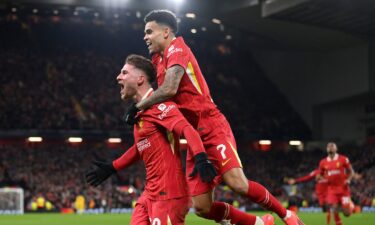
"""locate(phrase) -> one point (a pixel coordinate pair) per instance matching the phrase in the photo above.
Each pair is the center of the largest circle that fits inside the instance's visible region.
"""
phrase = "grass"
(124, 219)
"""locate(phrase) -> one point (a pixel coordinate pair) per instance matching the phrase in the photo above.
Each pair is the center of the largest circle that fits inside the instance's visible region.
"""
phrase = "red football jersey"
(193, 96)
(158, 147)
(335, 170)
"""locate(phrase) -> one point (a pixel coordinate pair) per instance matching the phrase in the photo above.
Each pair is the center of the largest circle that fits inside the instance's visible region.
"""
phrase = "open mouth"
(121, 87)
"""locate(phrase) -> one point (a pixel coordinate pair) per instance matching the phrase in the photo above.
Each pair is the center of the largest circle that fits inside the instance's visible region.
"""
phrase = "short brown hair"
(143, 64)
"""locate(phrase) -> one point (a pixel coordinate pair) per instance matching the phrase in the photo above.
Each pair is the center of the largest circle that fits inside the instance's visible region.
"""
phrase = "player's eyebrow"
(124, 71)
(148, 31)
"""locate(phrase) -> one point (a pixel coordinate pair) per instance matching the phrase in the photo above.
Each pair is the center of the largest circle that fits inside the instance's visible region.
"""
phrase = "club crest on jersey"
(338, 164)
(162, 107)
(140, 123)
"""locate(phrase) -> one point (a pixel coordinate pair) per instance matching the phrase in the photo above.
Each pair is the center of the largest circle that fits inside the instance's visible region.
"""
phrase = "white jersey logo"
(161, 107)
(143, 144)
(166, 111)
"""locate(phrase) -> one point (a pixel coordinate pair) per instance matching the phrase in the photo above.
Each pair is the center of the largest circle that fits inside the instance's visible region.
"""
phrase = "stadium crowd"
(61, 75)
(56, 172)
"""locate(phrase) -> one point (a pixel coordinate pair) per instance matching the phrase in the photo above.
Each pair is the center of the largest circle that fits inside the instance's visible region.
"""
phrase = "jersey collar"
(334, 158)
(148, 93)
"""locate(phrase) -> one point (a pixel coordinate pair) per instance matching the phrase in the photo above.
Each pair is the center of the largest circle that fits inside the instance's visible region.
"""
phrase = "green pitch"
(124, 219)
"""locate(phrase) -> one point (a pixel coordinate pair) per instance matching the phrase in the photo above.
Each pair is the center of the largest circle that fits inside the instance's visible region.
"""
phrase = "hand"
(100, 174)
(130, 115)
(204, 167)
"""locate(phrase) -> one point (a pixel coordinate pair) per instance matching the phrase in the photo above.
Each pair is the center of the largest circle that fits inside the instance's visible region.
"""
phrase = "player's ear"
(141, 79)
(167, 32)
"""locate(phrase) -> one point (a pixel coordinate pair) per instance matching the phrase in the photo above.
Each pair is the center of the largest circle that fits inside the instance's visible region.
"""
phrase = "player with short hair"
(156, 141)
(338, 171)
(321, 186)
(181, 80)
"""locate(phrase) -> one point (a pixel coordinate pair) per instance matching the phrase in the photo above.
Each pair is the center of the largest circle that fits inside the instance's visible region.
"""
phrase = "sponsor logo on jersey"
(166, 111)
(172, 50)
(333, 172)
(143, 144)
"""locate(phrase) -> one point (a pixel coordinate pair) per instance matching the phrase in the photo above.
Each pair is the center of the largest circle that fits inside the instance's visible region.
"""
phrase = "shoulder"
(344, 158)
(177, 46)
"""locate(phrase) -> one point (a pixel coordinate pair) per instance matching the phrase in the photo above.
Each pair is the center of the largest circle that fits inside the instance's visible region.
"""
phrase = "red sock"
(223, 211)
(328, 218)
(259, 194)
(337, 218)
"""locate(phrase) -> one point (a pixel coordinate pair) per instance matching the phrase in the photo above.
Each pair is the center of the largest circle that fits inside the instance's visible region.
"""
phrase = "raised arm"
(166, 90)
(203, 166)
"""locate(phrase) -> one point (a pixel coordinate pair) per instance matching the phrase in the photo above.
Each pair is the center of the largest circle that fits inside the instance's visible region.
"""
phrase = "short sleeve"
(177, 54)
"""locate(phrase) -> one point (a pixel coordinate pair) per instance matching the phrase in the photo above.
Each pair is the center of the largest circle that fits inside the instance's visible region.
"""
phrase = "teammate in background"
(338, 171)
(156, 141)
(320, 189)
(181, 80)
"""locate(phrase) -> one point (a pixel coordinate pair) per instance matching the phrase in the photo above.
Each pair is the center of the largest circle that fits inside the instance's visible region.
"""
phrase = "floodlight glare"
(183, 141)
(295, 142)
(114, 140)
(35, 139)
(265, 142)
(190, 15)
(193, 31)
(75, 140)
(217, 21)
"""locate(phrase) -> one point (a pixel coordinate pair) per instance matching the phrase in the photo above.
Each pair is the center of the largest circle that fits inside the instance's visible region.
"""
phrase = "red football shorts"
(321, 193)
(338, 196)
(152, 212)
(221, 148)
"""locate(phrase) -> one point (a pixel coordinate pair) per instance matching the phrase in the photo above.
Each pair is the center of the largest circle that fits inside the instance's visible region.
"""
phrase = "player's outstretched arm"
(105, 169)
(307, 177)
(101, 173)
(351, 174)
(166, 90)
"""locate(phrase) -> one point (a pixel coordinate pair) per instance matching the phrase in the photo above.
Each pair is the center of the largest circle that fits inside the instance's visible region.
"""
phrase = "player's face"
(128, 80)
(155, 37)
(331, 148)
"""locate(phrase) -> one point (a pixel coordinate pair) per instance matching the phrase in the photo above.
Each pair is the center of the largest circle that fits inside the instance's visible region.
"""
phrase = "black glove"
(204, 167)
(100, 174)
(130, 114)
